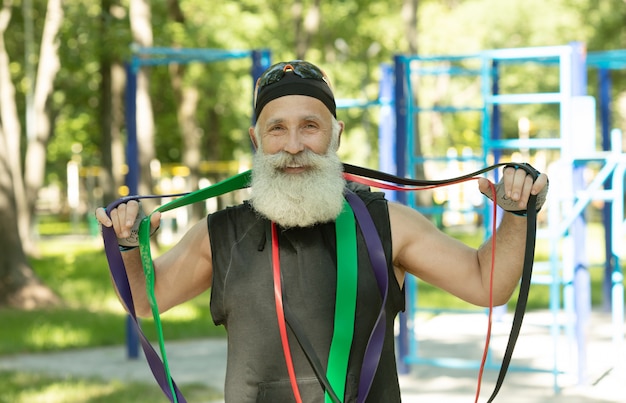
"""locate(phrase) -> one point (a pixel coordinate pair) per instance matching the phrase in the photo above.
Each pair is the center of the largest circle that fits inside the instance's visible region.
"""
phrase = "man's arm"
(419, 248)
(181, 273)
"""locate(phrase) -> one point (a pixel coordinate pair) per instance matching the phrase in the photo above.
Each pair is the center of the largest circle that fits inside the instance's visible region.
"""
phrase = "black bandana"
(292, 84)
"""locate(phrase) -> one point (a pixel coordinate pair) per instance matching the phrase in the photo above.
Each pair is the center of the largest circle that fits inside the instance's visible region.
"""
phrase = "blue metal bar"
(584, 198)
(582, 278)
(446, 70)
(401, 101)
(461, 157)
(356, 103)
(528, 54)
(261, 60)
(448, 109)
(386, 135)
(401, 114)
(446, 58)
(512, 144)
(132, 177)
(537, 98)
(496, 113)
(604, 96)
(610, 59)
(619, 177)
(192, 52)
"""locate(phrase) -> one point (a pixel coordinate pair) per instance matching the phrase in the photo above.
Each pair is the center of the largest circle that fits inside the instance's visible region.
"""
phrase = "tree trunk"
(111, 115)
(140, 25)
(187, 97)
(306, 25)
(12, 128)
(49, 65)
(19, 286)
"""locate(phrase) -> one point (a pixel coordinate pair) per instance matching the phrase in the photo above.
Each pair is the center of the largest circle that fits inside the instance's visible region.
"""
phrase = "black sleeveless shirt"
(242, 299)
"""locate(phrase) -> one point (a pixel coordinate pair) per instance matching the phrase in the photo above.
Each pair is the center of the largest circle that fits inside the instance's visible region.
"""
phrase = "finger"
(539, 184)
(508, 177)
(155, 221)
(132, 208)
(518, 183)
(119, 215)
(484, 186)
(102, 217)
(525, 192)
(115, 220)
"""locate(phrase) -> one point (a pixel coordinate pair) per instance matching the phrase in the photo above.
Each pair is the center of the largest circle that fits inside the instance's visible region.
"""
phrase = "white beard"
(298, 200)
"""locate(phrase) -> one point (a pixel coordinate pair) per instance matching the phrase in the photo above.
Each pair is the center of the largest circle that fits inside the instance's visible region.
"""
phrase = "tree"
(111, 117)
(187, 97)
(19, 285)
(141, 27)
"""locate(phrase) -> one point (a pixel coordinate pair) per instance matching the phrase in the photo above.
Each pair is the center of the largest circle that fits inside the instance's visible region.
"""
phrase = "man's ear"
(253, 138)
(342, 125)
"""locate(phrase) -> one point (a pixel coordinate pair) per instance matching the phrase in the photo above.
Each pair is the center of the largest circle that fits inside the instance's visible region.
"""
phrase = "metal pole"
(604, 78)
(132, 177)
(582, 279)
(386, 139)
(401, 106)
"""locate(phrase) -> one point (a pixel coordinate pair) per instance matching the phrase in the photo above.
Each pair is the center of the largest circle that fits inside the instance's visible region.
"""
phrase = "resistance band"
(160, 369)
(377, 336)
(345, 307)
(527, 268)
(345, 304)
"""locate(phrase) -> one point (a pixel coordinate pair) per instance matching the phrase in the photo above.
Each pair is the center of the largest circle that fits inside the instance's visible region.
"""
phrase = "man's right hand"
(125, 220)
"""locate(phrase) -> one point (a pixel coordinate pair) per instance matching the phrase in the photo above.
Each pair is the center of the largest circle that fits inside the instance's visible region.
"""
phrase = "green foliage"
(19, 387)
(353, 39)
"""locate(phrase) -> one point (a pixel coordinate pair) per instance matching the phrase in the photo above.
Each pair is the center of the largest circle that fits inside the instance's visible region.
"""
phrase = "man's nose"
(294, 144)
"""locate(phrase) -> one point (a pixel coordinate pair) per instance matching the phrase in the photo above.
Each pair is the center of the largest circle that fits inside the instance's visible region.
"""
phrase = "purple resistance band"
(379, 264)
(118, 272)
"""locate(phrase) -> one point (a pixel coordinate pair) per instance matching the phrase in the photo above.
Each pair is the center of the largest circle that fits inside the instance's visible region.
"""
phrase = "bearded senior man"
(286, 238)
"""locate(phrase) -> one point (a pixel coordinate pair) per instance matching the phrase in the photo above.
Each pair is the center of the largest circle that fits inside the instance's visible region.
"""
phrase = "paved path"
(459, 336)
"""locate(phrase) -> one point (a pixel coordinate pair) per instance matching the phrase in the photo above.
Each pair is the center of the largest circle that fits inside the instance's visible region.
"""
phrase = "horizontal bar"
(355, 103)
(524, 143)
(449, 109)
(536, 98)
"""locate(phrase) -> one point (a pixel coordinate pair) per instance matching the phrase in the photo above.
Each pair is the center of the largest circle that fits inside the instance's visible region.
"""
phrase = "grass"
(20, 387)
(91, 314)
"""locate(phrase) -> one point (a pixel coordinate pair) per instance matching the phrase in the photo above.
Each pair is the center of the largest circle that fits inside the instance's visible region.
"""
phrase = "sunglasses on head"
(301, 68)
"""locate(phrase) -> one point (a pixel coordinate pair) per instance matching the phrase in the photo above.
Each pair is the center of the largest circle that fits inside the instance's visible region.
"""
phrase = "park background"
(62, 81)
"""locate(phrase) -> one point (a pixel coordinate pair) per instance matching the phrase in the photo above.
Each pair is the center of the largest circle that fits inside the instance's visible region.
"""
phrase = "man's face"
(297, 176)
(293, 124)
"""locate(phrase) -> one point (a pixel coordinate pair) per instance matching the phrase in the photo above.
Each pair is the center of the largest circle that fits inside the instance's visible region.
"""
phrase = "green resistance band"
(236, 182)
(346, 279)
(345, 305)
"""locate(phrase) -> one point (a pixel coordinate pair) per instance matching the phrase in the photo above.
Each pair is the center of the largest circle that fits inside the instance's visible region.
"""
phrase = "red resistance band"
(386, 186)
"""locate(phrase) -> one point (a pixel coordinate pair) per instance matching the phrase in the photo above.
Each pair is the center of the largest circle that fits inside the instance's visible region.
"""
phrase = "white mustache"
(306, 158)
